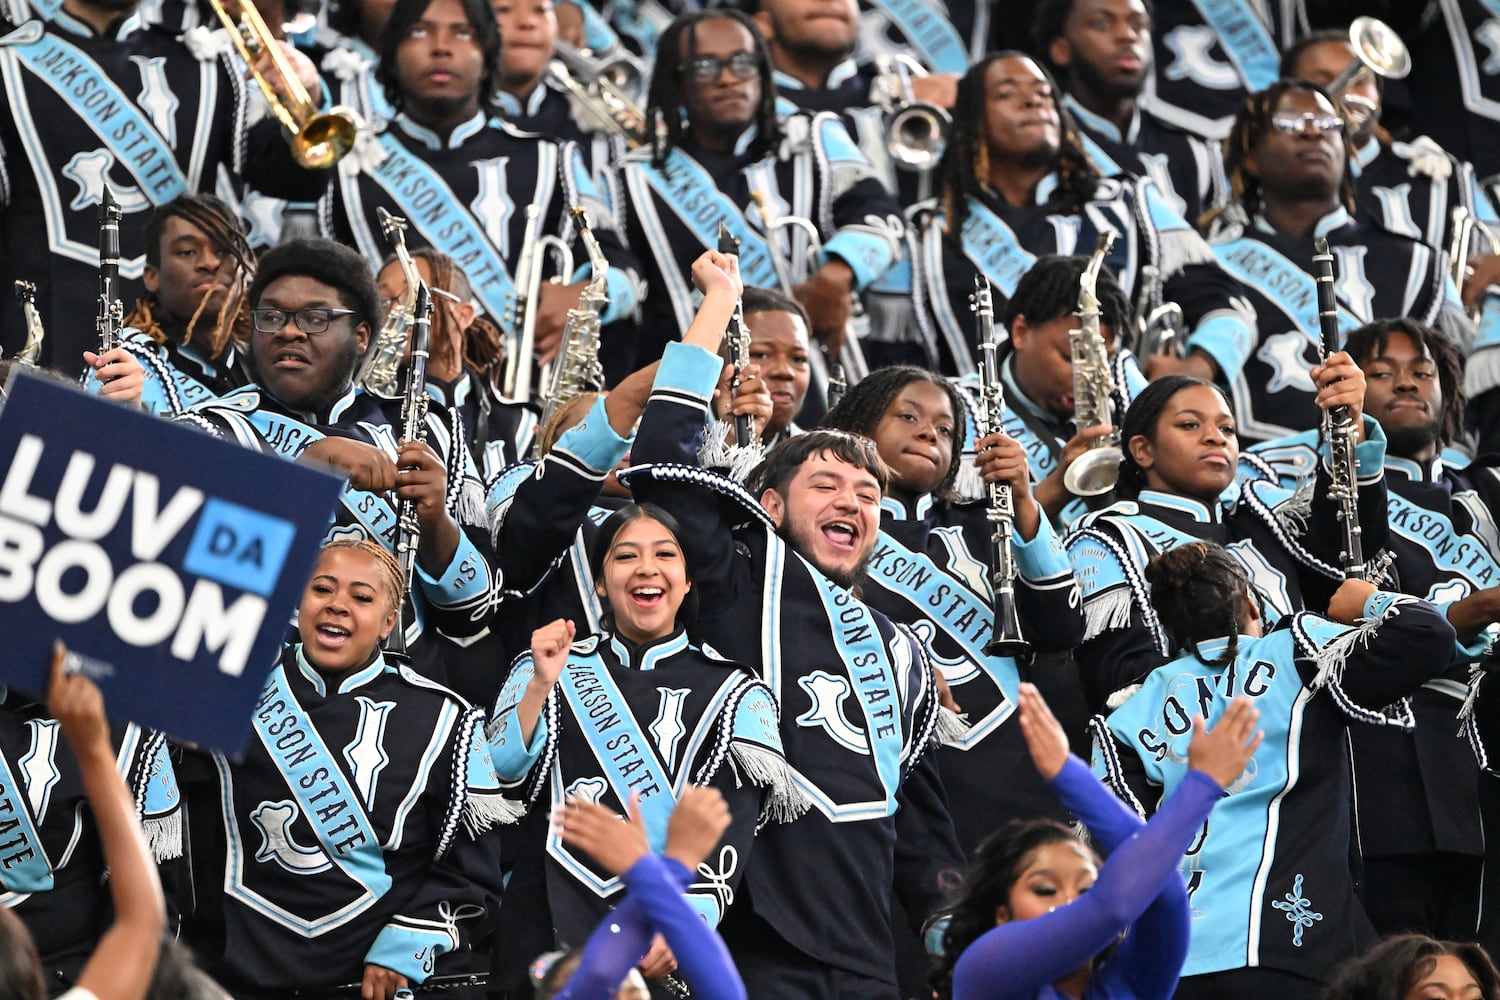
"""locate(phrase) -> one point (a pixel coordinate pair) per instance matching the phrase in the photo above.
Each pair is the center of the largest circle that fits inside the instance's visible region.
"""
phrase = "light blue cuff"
(867, 255)
(593, 441)
(409, 951)
(511, 755)
(622, 300)
(465, 579)
(688, 369)
(1378, 603)
(1487, 331)
(1369, 454)
(1227, 339)
(1043, 557)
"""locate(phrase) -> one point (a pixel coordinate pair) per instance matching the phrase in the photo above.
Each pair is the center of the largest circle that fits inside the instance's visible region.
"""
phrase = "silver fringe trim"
(470, 505)
(1181, 249)
(1121, 696)
(950, 727)
(1293, 514)
(164, 835)
(769, 770)
(734, 460)
(1332, 658)
(485, 810)
(969, 484)
(1106, 612)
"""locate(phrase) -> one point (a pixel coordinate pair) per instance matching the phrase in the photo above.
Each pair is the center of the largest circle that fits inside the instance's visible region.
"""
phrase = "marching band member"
(313, 304)
(348, 845)
(1416, 793)
(1269, 877)
(1288, 164)
(932, 570)
(1100, 52)
(779, 349)
(857, 695)
(465, 182)
(353, 43)
(1452, 70)
(1177, 484)
(1016, 183)
(727, 147)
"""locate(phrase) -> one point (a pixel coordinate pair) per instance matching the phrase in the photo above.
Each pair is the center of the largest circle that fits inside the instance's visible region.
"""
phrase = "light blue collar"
(512, 108)
(349, 682)
(1338, 218)
(1196, 509)
(433, 141)
(1415, 471)
(920, 507)
(66, 22)
(1102, 125)
(648, 656)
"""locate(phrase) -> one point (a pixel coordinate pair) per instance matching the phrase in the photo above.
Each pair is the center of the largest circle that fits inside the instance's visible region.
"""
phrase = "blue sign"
(168, 561)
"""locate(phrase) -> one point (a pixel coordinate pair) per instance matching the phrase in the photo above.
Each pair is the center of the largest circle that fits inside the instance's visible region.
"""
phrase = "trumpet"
(1159, 325)
(1097, 470)
(1467, 231)
(317, 140)
(1378, 51)
(577, 369)
(521, 318)
(916, 133)
(606, 89)
(1005, 638)
(32, 349)
(389, 348)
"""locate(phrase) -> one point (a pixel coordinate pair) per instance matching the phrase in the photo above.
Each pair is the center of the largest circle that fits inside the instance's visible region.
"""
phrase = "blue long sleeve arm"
(654, 904)
(1026, 955)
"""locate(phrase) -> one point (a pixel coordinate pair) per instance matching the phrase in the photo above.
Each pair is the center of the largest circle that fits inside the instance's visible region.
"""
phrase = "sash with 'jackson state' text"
(26, 866)
(1244, 39)
(993, 247)
(696, 200)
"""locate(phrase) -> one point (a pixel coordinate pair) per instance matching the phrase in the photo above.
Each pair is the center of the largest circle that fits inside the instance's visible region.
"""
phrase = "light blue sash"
(929, 31)
(310, 771)
(1244, 39)
(429, 204)
(992, 247)
(1453, 551)
(627, 756)
(695, 199)
(114, 118)
(1283, 282)
(869, 666)
(26, 868)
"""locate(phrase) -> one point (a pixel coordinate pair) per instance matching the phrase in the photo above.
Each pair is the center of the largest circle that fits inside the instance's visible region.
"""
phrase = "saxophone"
(26, 292)
(576, 369)
(1097, 470)
(383, 364)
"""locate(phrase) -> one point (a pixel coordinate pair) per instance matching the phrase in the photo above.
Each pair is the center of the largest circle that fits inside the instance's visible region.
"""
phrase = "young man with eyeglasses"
(475, 188)
(725, 155)
(313, 307)
(1288, 157)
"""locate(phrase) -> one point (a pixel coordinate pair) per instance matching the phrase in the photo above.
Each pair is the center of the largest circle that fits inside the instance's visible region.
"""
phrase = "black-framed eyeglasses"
(706, 69)
(1290, 123)
(310, 320)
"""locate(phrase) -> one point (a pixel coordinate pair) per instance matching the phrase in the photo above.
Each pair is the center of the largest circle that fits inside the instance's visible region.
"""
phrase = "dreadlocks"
(965, 168)
(483, 348)
(1251, 125)
(666, 97)
(1050, 290)
(214, 219)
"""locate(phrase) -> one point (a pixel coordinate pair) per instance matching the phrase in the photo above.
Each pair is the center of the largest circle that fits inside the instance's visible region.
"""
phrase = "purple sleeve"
(1026, 955)
(1109, 820)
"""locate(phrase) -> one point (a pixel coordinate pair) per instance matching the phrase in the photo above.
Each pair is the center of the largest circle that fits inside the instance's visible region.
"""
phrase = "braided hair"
(1251, 126)
(965, 167)
(864, 404)
(484, 349)
(987, 883)
(386, 566)
(1050, 290)
(1140, 421)
(217, 221)
(1198, 590)
(666, 97)
(1369, 341)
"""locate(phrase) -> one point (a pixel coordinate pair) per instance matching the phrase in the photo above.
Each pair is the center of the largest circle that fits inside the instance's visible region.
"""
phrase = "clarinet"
(739, 346)
(1000, 511)
(111, 309)
(1338, 429)
(413, 428)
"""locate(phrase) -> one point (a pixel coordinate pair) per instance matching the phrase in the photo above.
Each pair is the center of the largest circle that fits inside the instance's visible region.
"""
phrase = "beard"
(800, 538)
(1405, 442)
(1089, 78)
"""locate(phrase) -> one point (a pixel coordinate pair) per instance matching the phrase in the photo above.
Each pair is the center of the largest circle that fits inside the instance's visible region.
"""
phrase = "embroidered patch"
(1299, 911)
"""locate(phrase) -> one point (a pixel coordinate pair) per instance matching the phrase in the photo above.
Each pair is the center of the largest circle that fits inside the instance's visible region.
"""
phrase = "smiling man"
(475, 188)
(313, 306)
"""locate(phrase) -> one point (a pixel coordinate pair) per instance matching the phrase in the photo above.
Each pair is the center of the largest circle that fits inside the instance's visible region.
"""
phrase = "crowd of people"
(836, 410)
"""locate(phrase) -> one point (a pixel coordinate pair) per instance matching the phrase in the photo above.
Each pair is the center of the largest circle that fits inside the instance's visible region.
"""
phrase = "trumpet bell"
(1094, 472)
(324, 139)
(1379, 48)
(917, 136)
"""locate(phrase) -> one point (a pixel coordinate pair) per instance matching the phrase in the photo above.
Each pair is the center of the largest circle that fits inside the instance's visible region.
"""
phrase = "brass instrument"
(383, 365)
(739, 345)
(916, 133)
(1097, 470)
(1378, 50)
(317, 140)
(111, 314)
(577, 369)
(1338, 429)
(520, 348)
(1159, 325)
(32, 349)
(609, 88)
(1000, 511)
(1467, 231)
(413, 428)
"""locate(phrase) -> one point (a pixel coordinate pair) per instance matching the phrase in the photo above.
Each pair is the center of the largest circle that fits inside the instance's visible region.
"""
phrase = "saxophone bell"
(382, 364)
(1097, 470)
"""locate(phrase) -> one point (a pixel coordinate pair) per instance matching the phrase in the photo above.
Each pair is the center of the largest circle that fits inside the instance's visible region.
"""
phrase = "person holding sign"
(348, 844)
(121, 964)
